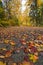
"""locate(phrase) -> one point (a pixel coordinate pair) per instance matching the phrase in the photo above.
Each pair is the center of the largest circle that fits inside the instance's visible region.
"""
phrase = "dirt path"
(20, 43)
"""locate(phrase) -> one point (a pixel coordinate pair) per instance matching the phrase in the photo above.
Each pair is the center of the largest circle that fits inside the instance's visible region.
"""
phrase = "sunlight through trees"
(21, 9)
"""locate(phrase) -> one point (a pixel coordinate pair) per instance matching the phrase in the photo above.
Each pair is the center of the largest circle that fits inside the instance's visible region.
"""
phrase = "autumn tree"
(6, 6)
(15, 10)
(11, 9)
(41, 8)
(33, 12)
(1, 11)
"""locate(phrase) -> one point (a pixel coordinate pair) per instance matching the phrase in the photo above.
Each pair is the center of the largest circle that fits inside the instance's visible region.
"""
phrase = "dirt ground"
(22, 44)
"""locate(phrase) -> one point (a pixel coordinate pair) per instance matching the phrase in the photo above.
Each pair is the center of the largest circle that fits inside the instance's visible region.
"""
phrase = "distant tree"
(1, 11)
(34, 12)
(6, 6)
(41, 11)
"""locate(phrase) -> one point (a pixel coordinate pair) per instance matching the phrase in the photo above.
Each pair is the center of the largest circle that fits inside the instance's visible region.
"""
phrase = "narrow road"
(22, 44)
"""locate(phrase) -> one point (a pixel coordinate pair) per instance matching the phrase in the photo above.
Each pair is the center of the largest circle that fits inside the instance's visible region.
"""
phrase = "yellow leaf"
(6, 41)
(33, 57)
(1, 63)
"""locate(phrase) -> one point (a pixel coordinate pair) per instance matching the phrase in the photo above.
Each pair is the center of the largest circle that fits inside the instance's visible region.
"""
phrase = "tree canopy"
(11, 12)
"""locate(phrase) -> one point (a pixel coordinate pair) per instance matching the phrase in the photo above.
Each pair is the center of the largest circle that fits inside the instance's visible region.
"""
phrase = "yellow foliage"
(1, 63)
(33, 57)
(40, 1)
(6, 41)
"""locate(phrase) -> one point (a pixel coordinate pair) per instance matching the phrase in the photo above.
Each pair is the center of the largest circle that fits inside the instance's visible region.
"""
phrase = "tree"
(11, 10)
(41, 11)
(33, 12)
(1, 11)
(6, 6)
(15, 10)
